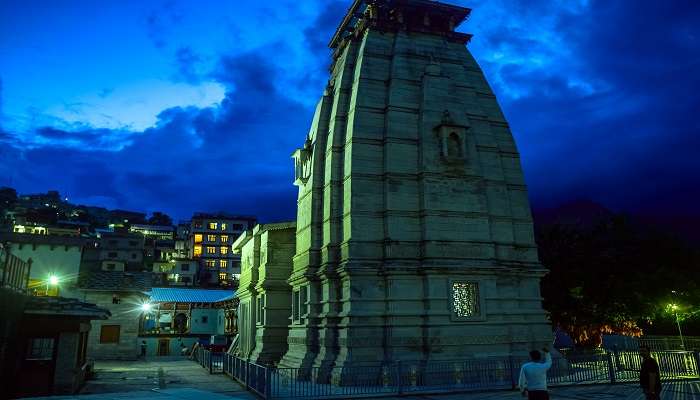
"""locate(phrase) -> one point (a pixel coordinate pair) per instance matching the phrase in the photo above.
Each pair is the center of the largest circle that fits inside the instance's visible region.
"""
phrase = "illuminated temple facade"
(414, 237)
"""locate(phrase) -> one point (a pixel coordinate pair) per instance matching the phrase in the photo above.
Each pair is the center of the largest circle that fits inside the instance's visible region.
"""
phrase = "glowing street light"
(673, 307)
(146, 307)
(52, 281)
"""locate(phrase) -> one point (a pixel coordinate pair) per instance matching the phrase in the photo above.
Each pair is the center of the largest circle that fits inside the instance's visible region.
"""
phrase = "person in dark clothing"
(649, 376)
(143, 348)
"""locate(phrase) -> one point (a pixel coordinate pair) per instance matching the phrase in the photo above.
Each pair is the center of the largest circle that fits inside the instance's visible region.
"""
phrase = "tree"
(159, 218)
(8, 197)
(612, 275)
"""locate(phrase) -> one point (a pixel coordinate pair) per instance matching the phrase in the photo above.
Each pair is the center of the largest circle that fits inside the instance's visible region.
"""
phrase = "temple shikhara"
(414, 238)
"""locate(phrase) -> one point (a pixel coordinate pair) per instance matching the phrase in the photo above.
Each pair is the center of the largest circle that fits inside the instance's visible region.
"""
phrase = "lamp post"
(674, 308)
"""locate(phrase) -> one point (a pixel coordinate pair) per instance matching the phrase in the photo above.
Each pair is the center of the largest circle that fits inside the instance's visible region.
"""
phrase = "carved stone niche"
(302, 164)
(453, 141)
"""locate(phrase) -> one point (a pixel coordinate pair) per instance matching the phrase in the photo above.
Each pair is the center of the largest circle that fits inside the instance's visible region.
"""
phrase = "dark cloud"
(232, 157)
(601, 97)
(609, 116)
(318, 34)
(187, 62)
(0, 103)
(86, 139)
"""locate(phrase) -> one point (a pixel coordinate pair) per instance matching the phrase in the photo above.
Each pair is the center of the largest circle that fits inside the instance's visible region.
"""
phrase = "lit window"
(211, 263)
(198, 238)
(223, 226)
(211, 238)
(197, 250)
(223, 263)
(211, 250)
(222, 276)
(213, 225)
(224, 250)
(465, 299)
(224, 238)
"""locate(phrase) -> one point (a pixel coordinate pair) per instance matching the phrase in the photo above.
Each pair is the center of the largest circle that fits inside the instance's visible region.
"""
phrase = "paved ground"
(186, 380)
(136, 380)
(688, 390)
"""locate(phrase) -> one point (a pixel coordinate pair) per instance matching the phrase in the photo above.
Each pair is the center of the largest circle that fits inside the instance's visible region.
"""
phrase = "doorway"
(38, 367)
(163, 347)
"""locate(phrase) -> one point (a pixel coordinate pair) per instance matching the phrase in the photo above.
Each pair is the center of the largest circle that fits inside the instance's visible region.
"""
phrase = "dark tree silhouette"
(610, 274)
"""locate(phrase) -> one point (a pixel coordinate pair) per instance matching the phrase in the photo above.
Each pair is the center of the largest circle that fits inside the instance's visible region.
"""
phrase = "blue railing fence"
(437, 376)
(214, 362)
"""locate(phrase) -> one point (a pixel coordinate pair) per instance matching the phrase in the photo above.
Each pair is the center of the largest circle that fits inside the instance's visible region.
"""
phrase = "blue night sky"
(186, 106)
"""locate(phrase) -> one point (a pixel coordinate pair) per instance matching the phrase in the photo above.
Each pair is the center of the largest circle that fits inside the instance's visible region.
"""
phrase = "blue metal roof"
(170, 295)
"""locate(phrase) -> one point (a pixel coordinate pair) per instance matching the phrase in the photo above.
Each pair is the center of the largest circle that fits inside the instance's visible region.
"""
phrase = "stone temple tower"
(414, 238)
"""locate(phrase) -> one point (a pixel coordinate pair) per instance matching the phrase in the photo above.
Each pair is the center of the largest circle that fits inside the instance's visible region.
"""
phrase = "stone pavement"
(136, 380)
(186, 380)
(685, 390)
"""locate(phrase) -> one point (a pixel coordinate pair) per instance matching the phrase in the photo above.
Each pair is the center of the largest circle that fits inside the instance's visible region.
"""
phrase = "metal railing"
(214, 362)
(438, 376)
(671, 343)
(254, 377)
(14, 272)
(655, 343)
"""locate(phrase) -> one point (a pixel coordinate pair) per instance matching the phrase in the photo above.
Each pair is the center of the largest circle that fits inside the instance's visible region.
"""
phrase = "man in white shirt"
(533, 376)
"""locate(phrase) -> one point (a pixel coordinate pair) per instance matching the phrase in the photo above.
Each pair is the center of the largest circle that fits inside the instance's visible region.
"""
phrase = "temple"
(414, 237)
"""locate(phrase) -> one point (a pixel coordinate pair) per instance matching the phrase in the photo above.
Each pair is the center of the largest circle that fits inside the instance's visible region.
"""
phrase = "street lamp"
(673, 307)
(146, 307)
(53, 281)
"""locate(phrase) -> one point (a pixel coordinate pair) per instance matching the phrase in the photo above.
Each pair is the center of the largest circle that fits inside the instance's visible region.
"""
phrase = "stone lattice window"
(465, 299)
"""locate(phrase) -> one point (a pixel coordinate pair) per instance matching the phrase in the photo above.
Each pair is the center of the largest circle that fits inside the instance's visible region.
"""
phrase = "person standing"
(649, 376)
(533, 376)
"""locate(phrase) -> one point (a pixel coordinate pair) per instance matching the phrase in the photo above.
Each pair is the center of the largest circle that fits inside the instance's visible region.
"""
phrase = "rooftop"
(64, 306)
(179, 295)
(153, 227)
(116, 280)
(13, 237)
(389, 10)
(222, 215)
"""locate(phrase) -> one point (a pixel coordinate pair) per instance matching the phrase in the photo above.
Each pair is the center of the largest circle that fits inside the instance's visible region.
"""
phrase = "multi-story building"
(156, 232)
(121, 252)
(182, 239)
(211, 237)
(39, 229)
(177, 271)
